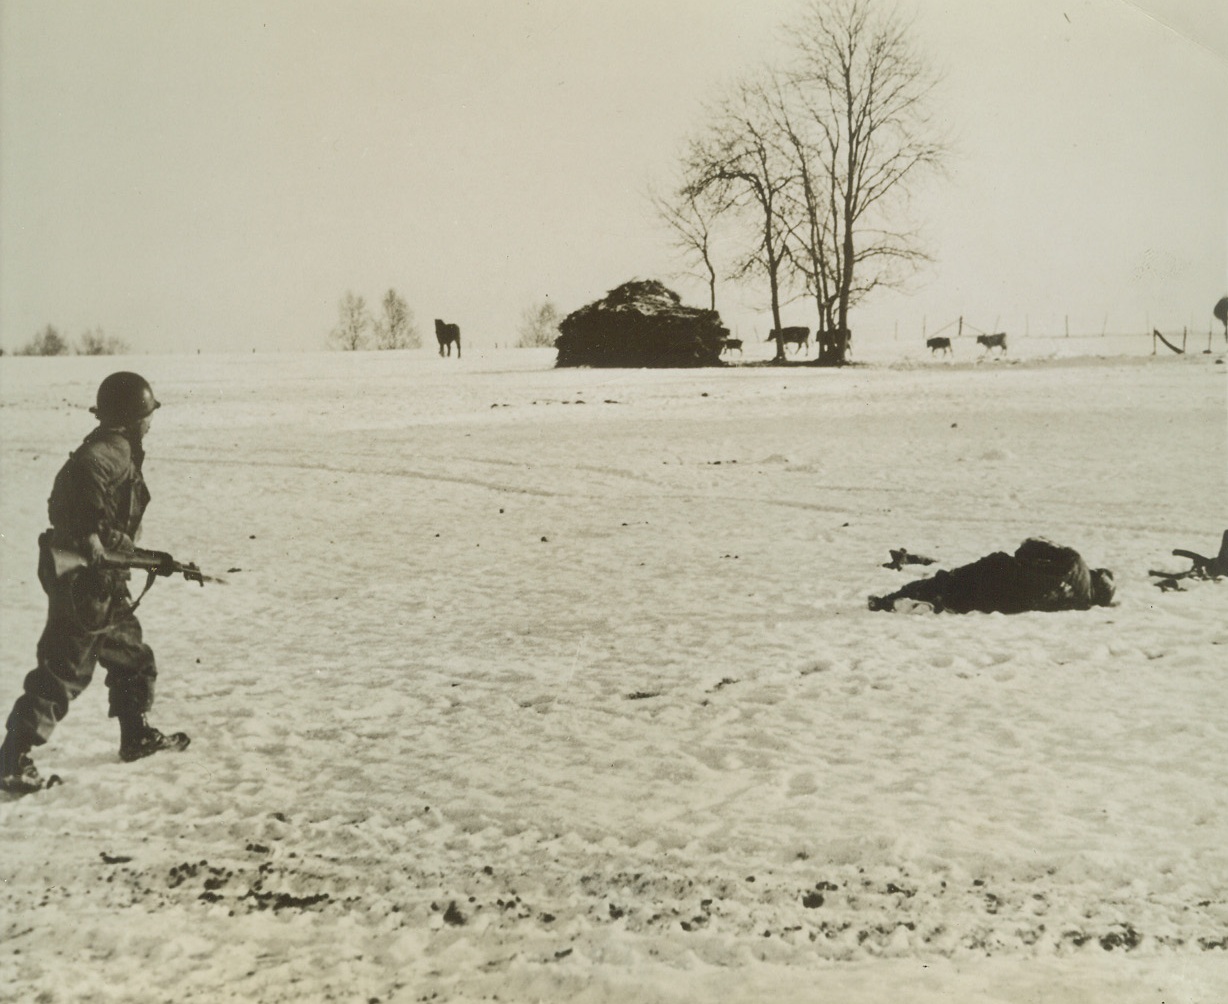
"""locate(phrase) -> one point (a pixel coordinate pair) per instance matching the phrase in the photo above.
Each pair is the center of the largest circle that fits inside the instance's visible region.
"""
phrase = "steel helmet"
(124, 399)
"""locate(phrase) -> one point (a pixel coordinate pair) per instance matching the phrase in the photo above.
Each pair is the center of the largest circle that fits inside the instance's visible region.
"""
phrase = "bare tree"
(809, 205)
(738, 164)
(97, 343)
(539, 326)
(690, 214)
(350, 334)
(861, 90)
(48, 342)
(816, 155)
(395, 329)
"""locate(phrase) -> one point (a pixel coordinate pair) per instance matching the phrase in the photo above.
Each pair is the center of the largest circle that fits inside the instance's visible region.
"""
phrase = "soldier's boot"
(138, 739)
(18, 775)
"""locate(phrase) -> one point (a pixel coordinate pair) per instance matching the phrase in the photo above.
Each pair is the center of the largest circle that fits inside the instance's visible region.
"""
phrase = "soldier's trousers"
(992, 583)
(89, 622)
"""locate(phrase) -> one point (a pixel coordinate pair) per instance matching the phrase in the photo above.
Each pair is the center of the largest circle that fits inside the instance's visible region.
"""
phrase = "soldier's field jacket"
(100, 489)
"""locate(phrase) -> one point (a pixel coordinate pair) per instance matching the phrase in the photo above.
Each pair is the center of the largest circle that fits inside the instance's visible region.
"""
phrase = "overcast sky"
(215, 175)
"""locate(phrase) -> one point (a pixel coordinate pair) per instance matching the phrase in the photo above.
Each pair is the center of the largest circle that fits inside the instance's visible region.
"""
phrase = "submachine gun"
(56, 562)
(154, 562)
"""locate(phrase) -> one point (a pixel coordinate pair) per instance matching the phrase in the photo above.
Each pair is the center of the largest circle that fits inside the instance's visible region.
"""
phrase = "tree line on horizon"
(92, 342)
(358, 329)
(800, 173)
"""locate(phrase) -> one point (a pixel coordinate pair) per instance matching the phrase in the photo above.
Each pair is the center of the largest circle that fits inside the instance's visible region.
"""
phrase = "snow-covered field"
(553, 685)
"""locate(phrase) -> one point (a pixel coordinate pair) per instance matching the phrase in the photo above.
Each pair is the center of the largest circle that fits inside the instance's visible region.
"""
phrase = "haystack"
(641, 323)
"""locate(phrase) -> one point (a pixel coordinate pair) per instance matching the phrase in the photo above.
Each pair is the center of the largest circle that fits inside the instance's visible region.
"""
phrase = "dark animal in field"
(729, 344)
(448, 334)
(934, 344)
(997, 341)
(799, 336)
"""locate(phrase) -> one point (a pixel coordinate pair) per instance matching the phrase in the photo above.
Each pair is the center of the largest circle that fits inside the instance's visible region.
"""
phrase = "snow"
(559, 685)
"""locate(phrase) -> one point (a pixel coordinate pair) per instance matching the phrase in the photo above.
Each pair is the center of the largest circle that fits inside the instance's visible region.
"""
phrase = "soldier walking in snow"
(95, 510)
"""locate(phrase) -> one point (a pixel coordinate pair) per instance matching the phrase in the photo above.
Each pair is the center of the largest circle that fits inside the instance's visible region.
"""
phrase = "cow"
(729, 344)
(934, 344)
(997, 341)
(799, 336)
(447, 334)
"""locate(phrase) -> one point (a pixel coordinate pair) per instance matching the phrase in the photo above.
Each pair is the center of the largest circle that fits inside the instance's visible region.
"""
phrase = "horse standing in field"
(729, 344)
(934, 344)
(799, 336)
(447, 334)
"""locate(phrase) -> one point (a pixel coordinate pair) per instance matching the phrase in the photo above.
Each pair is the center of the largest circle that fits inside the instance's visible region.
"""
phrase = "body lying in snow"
(1040, 575)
